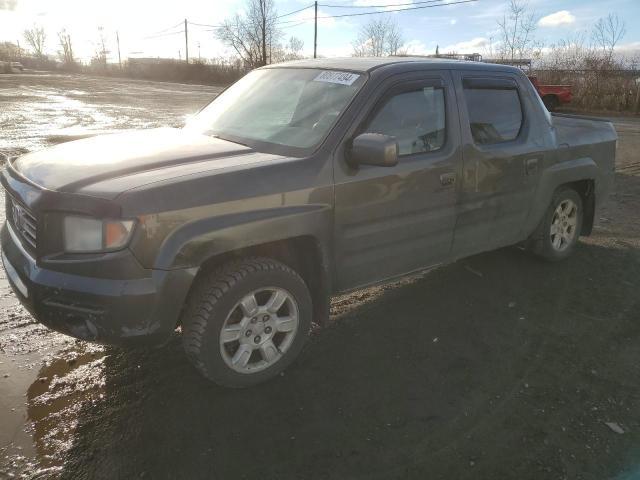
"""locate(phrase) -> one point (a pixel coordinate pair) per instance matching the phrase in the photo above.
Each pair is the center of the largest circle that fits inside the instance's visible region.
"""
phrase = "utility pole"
(315, 31)
(263, 11)
(186, 42)
(119, 58)
(199, 51)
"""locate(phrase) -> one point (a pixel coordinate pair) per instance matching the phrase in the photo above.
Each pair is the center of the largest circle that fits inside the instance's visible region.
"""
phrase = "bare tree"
(291, 50)
(378, 38)
(262, 13)
(35, 37)
(295, 47)
(517, 27)
(100, 56)
(253, 35)
(608, 32)
(235, 33)
(570, 53)
(489, 48)
(67, 49)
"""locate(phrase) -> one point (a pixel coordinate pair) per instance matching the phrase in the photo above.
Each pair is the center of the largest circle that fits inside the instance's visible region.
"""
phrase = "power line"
(396, 10)
(275, 18)
(168, 34)
(295, 11)
(378, 12)
(378, 6)
(165, 29)
(294, 25)
(300, 21)
(204, 25)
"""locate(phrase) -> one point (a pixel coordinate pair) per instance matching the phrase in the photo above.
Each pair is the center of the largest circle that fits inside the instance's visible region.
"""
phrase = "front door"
(393, 220)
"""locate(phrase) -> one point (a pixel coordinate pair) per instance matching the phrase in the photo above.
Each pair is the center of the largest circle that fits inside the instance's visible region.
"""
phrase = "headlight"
(84, 234)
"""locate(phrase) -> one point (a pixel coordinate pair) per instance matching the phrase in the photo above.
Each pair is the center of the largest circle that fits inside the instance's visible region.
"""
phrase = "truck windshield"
(279, 106)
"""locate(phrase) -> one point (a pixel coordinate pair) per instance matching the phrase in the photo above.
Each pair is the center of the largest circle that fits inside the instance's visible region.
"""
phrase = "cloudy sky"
(153, 27)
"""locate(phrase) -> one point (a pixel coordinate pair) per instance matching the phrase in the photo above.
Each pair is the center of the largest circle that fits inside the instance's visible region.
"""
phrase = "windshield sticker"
(343, 78)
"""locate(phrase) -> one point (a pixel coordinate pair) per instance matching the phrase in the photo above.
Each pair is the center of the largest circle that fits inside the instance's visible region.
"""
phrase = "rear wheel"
(558, 232)
(246, 322)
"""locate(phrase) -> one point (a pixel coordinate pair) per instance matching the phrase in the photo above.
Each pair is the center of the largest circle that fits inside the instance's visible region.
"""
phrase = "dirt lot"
(499, 366)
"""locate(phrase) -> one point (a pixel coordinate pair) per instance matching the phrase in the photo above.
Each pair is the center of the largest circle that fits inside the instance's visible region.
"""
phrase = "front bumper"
(124, 311)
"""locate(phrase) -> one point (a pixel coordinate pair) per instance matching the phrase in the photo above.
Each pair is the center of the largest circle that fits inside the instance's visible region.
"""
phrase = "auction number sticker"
(343, 78)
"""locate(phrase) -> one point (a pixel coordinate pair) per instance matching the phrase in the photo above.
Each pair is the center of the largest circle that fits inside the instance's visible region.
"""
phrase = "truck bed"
(576, 131)
(587, 140)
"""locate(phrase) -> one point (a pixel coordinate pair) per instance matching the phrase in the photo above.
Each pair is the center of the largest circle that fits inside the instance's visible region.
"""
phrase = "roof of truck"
(367, 64)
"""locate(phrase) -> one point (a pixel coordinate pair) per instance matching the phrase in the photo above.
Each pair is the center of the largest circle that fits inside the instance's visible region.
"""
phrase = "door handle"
(447, 179)
(531, 166)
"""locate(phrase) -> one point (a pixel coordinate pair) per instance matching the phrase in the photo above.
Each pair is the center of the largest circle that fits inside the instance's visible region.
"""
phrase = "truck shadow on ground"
(498, 366)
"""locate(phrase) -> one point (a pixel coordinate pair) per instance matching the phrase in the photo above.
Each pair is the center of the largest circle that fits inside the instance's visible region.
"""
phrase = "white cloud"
(417, 47)
(345, 50)
(562, 17)
(475, 45)
(453, 21)
(628, 48)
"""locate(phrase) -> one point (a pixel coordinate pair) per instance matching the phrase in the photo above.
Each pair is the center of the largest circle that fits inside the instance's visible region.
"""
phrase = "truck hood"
(71, 166)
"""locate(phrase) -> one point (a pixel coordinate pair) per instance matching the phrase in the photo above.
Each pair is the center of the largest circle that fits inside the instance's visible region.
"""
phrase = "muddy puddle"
(38, 109)
(41, 422)
(45, 377)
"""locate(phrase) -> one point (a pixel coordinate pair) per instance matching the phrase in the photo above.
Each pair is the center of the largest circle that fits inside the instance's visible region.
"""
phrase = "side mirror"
(374, 149)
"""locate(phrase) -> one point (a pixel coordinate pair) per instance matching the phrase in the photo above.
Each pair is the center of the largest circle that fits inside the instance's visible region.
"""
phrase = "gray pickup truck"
(299, 181)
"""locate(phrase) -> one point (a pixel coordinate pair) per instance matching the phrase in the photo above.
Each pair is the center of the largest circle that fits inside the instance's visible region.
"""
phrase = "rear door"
(502, 156)
(392, 220)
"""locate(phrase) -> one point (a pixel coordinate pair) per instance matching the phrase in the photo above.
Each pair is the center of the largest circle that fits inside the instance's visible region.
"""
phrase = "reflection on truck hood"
(71, 166)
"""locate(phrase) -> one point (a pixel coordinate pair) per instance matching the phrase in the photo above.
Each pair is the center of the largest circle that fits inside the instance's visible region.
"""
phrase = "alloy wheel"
(259, 330)
(563, 225)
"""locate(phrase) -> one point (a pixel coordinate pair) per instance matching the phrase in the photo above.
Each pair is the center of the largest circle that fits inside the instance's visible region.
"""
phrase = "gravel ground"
(497, 366)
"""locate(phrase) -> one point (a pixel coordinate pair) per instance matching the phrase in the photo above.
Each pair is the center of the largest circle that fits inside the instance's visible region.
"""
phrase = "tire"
(242, 298)
(551, 102)
(544, 241)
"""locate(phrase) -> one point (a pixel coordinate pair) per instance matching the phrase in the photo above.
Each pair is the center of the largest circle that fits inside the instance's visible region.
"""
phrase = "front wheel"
(246, 322)
(558, 232)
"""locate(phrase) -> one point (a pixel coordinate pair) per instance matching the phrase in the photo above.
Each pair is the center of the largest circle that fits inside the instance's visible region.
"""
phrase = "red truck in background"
(552, 95)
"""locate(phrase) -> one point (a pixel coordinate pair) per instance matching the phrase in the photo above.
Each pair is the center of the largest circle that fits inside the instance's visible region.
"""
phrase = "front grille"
(23, 221)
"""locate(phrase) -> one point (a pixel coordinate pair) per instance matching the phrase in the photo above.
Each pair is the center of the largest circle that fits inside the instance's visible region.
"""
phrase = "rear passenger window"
(415, 118)
(495, 113)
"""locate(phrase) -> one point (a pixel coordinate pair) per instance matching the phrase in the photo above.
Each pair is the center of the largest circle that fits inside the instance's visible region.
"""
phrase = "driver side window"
(415, 118)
